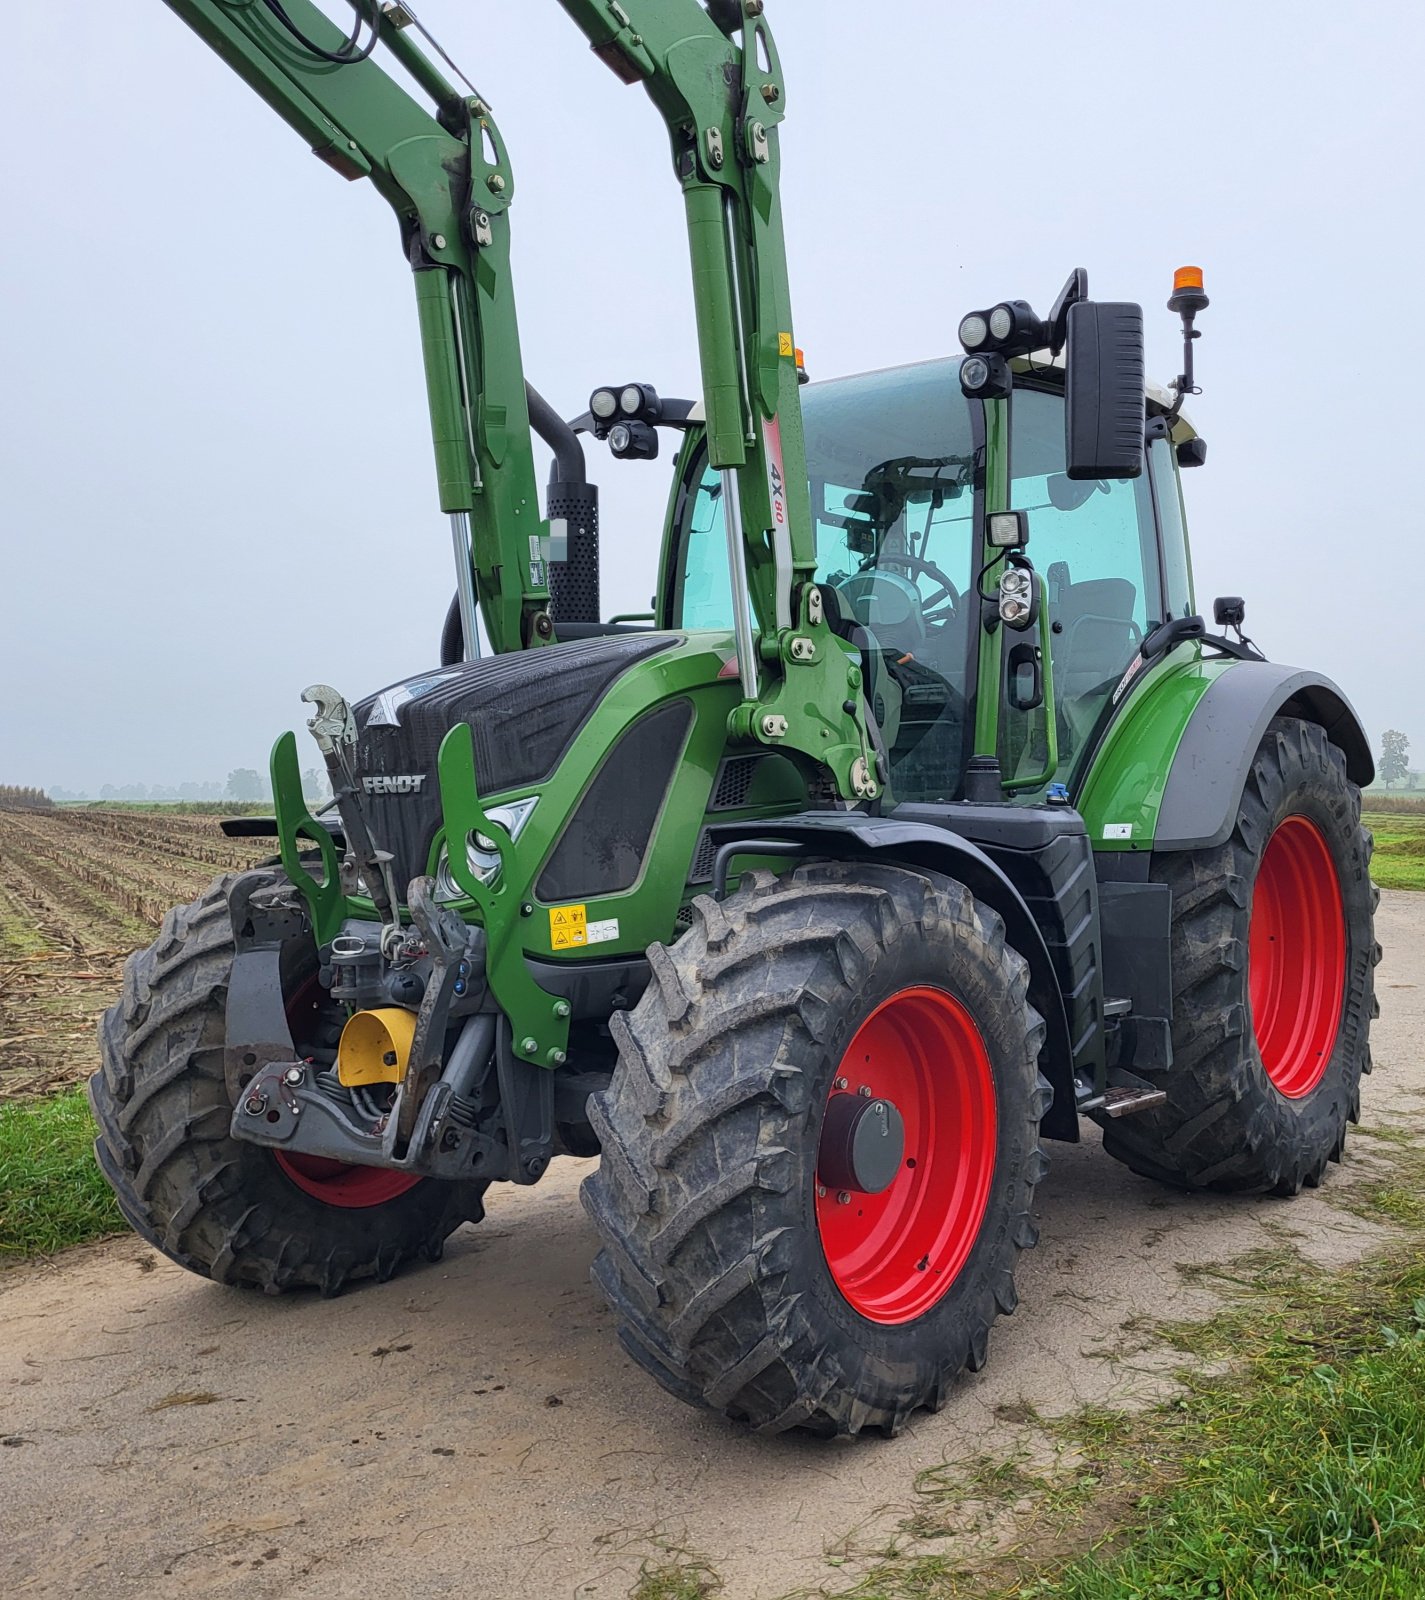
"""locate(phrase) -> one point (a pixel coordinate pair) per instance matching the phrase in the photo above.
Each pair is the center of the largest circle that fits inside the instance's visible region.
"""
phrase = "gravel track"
(474, 1429)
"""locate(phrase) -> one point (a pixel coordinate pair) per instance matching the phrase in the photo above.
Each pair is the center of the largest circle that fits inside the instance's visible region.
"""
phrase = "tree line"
(17, 797)
(243, 784)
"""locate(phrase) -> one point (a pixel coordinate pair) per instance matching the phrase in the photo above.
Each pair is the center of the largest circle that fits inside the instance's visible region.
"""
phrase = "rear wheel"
(232, 1211)
(1273, 975)
(820, 1147)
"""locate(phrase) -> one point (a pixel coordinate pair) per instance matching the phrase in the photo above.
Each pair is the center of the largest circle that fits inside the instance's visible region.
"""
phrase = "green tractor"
(924, 819)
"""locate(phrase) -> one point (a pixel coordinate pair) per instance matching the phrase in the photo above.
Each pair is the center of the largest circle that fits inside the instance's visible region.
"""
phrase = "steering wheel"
(942, 600)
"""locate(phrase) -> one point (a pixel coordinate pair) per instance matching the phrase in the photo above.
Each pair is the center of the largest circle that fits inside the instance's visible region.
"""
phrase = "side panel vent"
(734, 782)
(602, 847)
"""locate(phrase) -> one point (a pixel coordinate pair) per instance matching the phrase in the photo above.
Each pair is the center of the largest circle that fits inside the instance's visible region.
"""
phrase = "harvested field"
(78, 891)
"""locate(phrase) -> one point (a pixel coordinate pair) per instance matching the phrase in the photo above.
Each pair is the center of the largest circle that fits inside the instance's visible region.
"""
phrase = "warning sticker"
(785, 347)
(1118, 830)
(602, 932)
(568, 927)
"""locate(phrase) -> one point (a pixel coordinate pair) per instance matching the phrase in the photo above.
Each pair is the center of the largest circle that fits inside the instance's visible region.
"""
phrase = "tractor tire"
(744, 1276)
(225, 1209)
(1273, 952)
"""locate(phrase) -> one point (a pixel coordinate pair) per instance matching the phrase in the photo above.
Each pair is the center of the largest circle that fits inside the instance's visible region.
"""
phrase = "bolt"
(526, 910)
(864, 1091)
(389, 1059)
(255, 1105)
(754, 8)
(821, 1191)
(528, 1046)
(561, 1008)
(771, 93)
(557, 1058)
(293, 1075)
(839, 1084)
(438, 240)
(844, 1198)
(496, 183)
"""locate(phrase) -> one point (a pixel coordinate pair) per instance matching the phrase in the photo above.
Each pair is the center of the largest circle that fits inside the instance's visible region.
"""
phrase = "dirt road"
(474, 1429)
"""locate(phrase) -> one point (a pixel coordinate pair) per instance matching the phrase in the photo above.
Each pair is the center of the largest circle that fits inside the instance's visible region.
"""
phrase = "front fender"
(841, 834)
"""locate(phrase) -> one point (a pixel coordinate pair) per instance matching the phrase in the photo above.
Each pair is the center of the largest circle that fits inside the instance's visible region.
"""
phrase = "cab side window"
(1096, 546)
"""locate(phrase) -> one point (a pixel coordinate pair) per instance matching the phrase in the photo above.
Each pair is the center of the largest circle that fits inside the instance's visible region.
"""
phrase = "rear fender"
(1209, 771)
(1170, 772)
(846, 834)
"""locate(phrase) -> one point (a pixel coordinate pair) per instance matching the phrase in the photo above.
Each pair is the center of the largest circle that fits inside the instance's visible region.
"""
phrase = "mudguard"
(1214, 755)
(850, 833)
(1172, 765)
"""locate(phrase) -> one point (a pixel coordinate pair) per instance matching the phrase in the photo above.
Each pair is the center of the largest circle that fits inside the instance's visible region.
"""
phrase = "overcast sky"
(215, 473)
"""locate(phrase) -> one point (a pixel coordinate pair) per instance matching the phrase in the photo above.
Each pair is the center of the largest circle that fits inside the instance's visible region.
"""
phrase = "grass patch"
(1399, 860)
(680, 1577)
(51, 1191)
(1293, 1469)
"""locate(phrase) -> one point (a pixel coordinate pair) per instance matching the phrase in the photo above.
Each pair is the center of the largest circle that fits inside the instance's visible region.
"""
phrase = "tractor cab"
(896, 467)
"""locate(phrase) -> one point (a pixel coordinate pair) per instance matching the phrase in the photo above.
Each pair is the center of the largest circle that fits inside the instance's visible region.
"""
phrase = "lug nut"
(844, 1198)
(864, 1091)
(840, 1083)
(821, 1191)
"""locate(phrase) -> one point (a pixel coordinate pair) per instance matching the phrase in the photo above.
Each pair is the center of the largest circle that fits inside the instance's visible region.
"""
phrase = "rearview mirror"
(1103, 385)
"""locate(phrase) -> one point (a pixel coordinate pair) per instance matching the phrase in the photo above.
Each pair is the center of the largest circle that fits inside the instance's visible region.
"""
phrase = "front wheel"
(231, 1211)
(819, 1148)
(1273, 952)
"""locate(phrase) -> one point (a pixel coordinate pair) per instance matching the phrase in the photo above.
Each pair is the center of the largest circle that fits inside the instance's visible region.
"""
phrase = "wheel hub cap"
(862, 1144)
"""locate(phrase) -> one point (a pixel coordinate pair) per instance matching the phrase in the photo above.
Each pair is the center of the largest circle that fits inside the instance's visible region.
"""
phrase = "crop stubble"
(78, 891)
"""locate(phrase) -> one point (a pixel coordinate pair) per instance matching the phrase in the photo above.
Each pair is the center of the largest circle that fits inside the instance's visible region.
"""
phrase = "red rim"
(1297, 957)
(335, 1183)
(340, 1183)
(894, 1254)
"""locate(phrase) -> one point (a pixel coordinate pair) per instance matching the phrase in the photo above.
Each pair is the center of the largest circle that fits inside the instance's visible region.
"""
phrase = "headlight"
(1016, 598)
(482, 854)
(974, 374)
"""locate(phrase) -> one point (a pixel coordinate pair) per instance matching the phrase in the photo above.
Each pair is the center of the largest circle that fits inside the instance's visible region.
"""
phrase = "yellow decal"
(568, 926)
(785, 347)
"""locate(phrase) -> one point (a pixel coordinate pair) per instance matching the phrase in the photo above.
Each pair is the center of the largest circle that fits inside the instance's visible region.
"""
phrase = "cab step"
(1124, 1094)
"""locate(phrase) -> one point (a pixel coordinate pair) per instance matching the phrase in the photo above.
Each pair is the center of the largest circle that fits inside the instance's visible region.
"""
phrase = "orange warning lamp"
(1187, 292)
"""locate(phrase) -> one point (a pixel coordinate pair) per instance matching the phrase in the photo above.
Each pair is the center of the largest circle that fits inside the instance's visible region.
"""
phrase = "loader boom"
(445, 172)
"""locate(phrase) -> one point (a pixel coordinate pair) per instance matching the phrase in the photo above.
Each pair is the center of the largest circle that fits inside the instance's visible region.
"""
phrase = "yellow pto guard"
(376, 1046)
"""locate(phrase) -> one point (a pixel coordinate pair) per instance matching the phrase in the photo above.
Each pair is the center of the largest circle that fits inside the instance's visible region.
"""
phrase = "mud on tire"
(705, 1195)
(219, 1207)
(1226, 1125)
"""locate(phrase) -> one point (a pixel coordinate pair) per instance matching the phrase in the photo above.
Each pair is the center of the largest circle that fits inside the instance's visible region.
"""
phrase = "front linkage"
(486, 1104)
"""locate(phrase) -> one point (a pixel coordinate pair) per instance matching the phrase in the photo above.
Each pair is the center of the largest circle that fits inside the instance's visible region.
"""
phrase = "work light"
(603, 403)
(974, 330)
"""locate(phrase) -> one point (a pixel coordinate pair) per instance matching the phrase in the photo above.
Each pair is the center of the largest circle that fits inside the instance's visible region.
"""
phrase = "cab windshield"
(891, 460)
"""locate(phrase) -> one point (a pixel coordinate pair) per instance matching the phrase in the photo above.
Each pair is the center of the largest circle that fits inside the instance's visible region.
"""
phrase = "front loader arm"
(445, 173)
(715, 77)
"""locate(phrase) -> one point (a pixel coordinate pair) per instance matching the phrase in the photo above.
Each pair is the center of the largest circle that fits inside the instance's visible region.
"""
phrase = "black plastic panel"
(602, 847)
